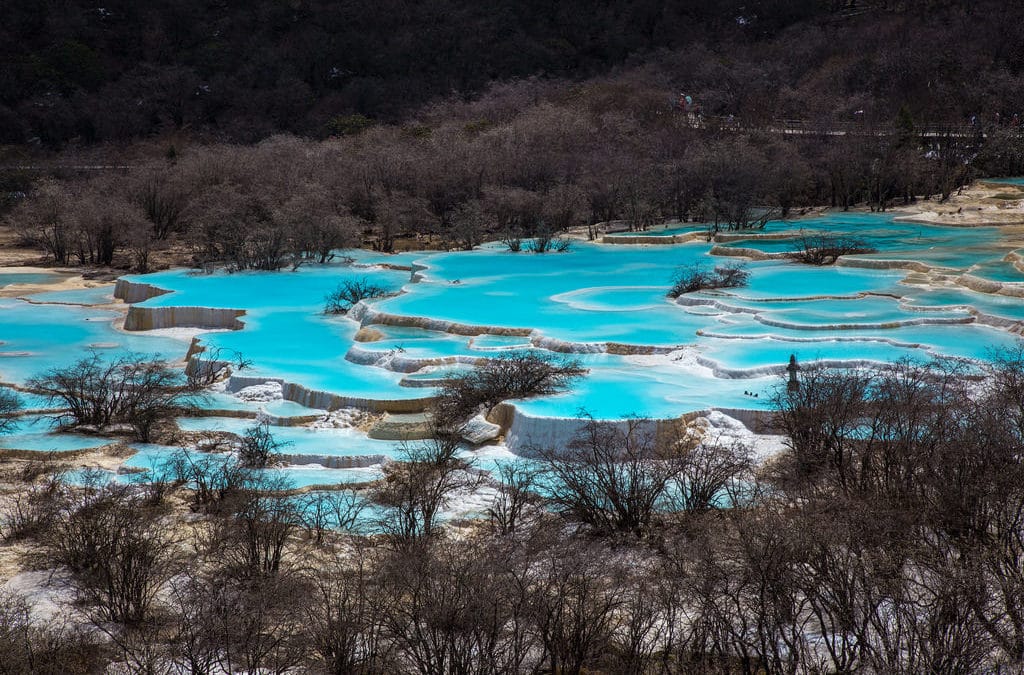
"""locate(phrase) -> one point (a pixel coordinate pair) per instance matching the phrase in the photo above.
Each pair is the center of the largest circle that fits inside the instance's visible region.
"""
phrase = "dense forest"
(523, 161)
(75, 72)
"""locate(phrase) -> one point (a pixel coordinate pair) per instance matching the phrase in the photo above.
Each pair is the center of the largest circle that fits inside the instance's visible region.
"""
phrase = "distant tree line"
(519, 164)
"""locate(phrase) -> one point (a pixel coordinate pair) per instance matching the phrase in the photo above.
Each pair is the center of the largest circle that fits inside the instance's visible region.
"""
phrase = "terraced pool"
(646, 354)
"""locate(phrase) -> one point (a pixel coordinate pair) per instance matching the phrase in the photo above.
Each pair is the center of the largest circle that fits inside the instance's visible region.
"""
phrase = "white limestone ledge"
(324, 400)
(751, 253)
(131, 292)
(883, 264)
(150, 318)
(367, 315)
(334, 461)
(1009, 288)
(529, 435)
(399, 362)
(662, 240)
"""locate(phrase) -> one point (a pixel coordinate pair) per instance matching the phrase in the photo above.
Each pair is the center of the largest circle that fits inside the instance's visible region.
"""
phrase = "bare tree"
(346, 620)
(32, 513)
(259, 448)
(336, 510)
(212, 364)
(254, 539)
(545, 241)
(516, 375)
(710, 475)
(697, 278)
(457, 607)
(131, 389)
(827, 249)
(29, 645)
(121, 551)
(469, 222)
(44, 221)
(517, 493)
(574, 606)
(10, 404)
(614, 476)
(217, 483)
(229, 624)
(419, 485)
(348, 293)
(163, 201)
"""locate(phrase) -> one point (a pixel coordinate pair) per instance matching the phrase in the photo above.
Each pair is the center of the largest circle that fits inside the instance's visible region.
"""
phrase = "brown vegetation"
(698, 278)
(131, 389)
(548, 158)
(826, 249)
(518, 375)
(886, 539)
(348, 293)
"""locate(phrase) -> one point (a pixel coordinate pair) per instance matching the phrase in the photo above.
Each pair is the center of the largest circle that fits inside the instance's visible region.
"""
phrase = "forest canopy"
(242, 71)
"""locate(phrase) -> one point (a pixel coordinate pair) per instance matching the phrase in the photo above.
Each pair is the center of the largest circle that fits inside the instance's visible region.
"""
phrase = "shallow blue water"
(596, 294)
(34, 338)
(36, 433)
(304, 288)
(300, 440)
(998, 271)
(9, 278)
(589, 296)
(101, 295)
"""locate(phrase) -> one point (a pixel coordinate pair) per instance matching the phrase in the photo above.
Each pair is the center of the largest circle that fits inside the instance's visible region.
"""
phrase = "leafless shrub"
(698, 278)
(825, 249)
(709, 477)
(38, 466)
(517, 375)
(516, 494)
(545, 242)
(574, 606)
(120, 551)
(457, 606)
(212, 365)
(253, 539)
(216, 482)
(612, 476)
(513, 239)
(229, 624)
(348, 293)
(334, 510)
(131, 388)
(259, 448)
(346, 617)
(32, 513)
(417, 486)
(29, 646)
(10, 403)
